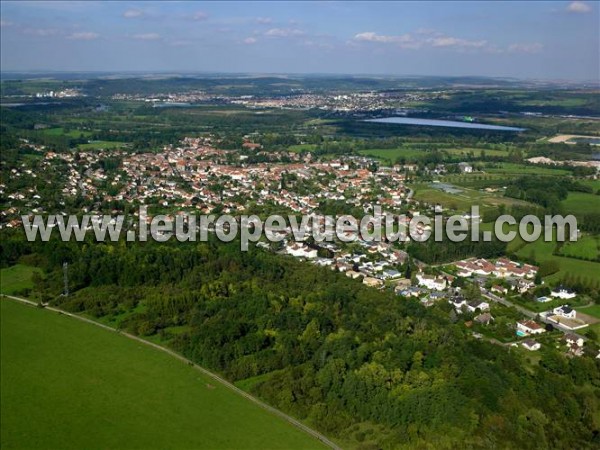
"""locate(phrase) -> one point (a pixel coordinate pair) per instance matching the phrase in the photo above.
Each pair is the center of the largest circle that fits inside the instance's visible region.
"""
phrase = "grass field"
(587, 247)
(593, 310)
(390, 155)
(59, 131)
(581, 203)
(513, 169)
(16, 278)
(70, 385)
(99, 145)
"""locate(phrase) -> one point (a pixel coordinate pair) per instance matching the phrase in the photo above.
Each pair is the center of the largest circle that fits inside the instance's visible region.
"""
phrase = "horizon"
(546, 40)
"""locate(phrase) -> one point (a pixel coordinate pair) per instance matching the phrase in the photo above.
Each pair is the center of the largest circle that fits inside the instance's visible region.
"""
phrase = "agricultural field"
(581, 203)
(17, 278)
(60, 131)
(390, 155)
(586, 247)
(101, 145)
(541, 251)
(463, 200)
(513, 169)
(593, 310)
(70, 385)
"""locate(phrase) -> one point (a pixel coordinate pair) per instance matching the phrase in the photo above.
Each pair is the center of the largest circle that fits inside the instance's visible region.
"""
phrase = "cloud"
(84, 36)
(199, 16)
(370, 36)
(578, 7)
(133, 13)
(525, 48)
(250, 40)
(422, 38)
(284, 32)
(447, 41)
(264, 20)
(146, 36)
(5, 23)
(42, 32)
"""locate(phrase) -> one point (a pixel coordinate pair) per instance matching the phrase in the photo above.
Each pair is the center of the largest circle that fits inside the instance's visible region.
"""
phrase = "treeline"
(433, 252)
(358, 364)
(545, 191)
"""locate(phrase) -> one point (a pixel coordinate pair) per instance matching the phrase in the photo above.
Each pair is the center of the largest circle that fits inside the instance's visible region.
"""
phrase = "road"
(204, 371)
(531, 314)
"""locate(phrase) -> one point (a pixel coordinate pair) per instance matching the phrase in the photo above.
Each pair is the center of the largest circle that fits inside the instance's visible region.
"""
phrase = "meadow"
(66, 384)
(16, 279)
(101, 145)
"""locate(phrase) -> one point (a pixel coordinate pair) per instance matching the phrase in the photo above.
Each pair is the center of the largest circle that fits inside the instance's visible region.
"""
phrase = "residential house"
(531, 345)
(526, 327)
(484, 318)
(563, 293)
(432, 282)
(565, 311)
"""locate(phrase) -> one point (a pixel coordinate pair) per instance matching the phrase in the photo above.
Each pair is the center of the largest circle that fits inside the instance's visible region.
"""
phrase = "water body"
(443, 123)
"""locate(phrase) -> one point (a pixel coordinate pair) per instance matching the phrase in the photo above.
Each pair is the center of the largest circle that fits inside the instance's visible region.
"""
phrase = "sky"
(548, 40)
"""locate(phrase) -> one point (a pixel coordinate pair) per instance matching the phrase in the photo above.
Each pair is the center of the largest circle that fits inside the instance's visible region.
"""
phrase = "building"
(465, 167)
(526, 327)
(565, 311)
(432, 282)
(484, 318)
(531, 345)
(301, 251)
(372, 282)
(563, 293)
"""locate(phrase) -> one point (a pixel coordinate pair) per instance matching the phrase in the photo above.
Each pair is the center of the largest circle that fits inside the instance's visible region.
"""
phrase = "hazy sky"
(519, 39)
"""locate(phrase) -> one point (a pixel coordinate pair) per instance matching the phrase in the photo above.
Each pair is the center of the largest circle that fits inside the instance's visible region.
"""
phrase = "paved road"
(533, 315)
(212, 375)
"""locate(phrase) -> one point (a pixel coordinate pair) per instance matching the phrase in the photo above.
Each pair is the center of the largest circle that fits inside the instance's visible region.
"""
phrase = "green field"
(66, 384)
(513, 169)
(587, 247)
(99, 145)
(593, 310)
(390, 155)
(581, 203)
(16, 278)
(60, 131)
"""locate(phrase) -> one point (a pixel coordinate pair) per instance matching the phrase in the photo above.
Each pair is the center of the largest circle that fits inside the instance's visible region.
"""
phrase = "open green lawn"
(60, 131)
(98, 145)
(587, 247)
(522, 169)
(302, 148)
(390, 155)
(66, 384)
(542, 251)
(593, 310)
(581, 203)
(16, 278)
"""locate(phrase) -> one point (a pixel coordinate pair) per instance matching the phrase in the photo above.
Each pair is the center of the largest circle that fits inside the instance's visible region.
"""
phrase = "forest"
(361, 365)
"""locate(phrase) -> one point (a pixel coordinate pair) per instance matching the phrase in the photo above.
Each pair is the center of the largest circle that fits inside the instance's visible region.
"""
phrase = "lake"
(443, 123)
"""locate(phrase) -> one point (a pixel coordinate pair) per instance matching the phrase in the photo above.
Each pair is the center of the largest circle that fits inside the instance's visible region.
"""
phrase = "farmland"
(67, 384)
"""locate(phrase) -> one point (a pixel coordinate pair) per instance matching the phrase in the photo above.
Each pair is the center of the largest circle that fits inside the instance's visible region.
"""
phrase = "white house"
(563, 292)
(565, 311)
(531, 345)
(301, 251)
(529, 327)
(478, 305)
(572, 339)
(431, 282)
(465, 167)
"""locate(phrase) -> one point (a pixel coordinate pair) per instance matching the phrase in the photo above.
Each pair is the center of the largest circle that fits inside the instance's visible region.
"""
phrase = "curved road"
(212, 375)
